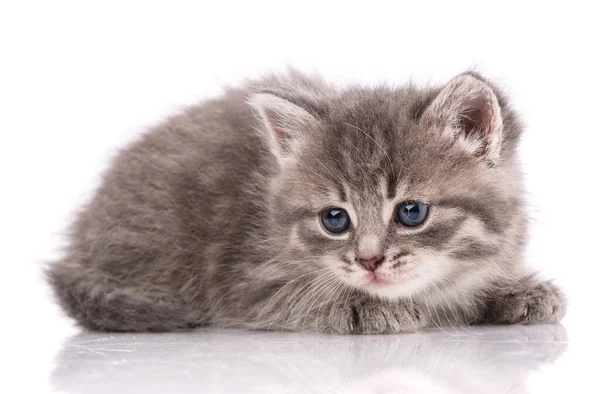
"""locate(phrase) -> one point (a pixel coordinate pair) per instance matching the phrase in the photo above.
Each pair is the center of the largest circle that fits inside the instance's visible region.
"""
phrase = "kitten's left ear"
(469, 111)
(285, 122)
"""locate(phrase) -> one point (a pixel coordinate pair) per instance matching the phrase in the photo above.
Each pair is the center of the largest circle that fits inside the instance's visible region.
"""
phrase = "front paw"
(539, 303)
(378, 317)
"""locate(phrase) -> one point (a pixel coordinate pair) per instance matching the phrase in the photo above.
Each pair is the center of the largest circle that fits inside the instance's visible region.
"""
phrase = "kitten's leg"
(526, 301)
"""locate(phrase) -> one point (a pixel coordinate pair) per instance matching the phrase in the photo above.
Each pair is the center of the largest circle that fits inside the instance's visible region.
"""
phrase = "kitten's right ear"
(285, 122)
(469, 109)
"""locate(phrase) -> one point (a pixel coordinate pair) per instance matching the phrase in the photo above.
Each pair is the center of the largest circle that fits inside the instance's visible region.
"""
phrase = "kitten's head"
(396, 191)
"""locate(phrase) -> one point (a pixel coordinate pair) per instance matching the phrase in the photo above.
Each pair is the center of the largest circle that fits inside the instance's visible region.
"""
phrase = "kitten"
(289, 204)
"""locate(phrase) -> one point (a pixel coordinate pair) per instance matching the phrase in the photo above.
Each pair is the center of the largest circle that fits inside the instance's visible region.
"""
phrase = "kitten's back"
(172, 205)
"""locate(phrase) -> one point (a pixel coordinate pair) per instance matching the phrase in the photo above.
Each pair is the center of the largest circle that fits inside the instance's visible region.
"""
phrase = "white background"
(78, 80)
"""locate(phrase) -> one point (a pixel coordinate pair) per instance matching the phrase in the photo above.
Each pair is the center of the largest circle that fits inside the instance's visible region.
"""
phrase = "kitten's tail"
(98, 304)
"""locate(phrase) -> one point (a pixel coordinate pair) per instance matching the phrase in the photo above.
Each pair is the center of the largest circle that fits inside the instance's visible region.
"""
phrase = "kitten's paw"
(375, 317)
(541, 303)
(378, 317)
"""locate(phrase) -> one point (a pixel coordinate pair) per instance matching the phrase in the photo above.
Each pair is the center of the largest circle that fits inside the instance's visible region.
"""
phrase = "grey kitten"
(289, 204)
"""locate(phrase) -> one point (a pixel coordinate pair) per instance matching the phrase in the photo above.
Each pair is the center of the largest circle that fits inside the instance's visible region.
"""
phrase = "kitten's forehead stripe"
(392, 185)
(342, 192)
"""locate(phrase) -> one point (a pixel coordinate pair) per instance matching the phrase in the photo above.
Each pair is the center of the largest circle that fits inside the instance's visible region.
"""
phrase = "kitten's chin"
(377, 280)
(385, 287)
(393, 289)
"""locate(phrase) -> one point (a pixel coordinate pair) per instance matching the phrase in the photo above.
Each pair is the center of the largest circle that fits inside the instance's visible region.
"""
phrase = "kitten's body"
(212, 218)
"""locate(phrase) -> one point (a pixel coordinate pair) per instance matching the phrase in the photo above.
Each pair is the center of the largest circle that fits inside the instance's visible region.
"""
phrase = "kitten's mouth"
(376, 280)
(379, 279)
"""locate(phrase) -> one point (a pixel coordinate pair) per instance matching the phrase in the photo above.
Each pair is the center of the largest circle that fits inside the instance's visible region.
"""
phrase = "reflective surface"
(496, 359)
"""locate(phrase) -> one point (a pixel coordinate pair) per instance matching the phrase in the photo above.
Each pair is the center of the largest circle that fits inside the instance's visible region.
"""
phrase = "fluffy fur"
(212, 218)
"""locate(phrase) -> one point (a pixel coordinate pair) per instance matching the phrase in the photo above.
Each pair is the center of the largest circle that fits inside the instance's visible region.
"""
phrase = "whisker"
(311, 286)
(283, 287)
(323, 302)
(314, 291)
(456, 318)
(431, 315)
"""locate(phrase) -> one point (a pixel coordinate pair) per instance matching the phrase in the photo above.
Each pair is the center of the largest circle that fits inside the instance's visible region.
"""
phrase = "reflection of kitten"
(291, 205)
(488, 360)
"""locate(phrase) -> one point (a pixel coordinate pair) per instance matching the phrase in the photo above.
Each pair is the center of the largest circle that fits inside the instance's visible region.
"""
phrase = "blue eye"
(411, 213)
(335, 220)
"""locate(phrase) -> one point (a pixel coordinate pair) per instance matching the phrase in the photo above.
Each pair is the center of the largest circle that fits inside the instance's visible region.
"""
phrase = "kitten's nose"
(370, 264)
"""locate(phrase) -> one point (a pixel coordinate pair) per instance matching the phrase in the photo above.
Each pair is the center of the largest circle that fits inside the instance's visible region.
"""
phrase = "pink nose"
(370, 264)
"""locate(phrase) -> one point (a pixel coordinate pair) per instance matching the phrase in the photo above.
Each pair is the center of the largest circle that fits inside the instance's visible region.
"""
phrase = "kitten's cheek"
(402, 271)
(402, 265)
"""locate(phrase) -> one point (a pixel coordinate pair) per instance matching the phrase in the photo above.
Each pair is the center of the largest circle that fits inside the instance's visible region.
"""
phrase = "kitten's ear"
(469, 111)
(286, 122)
